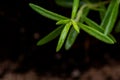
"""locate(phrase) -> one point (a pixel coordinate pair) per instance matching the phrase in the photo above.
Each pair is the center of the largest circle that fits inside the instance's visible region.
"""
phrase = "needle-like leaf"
(63, 36)
(46, 13)
(97, 34)
(74, 8)
(71, 38)
(50, 36)
(110, 16)
(112, 19)
(96, 26)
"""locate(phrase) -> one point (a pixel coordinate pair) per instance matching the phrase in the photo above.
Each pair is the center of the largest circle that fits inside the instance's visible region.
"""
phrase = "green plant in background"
(69, 28)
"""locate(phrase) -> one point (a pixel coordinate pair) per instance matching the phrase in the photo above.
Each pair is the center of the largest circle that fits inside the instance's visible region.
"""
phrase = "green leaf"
(50, 36)
(92, 24)
(71, 38)
(75, 25)
(63, 36)
(110, 17)
(97, 34)
(46, 13)
(73, 33)
(96, 26)
(64, 3)
(107, 14)
(112, 37)
(74, 8)
(62, 22)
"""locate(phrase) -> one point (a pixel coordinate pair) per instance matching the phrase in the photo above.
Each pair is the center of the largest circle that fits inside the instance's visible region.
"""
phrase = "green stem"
(89, 5)
(80, 11)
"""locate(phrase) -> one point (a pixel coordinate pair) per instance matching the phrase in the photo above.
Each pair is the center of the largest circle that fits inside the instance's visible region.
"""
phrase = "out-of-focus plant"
(69, 28)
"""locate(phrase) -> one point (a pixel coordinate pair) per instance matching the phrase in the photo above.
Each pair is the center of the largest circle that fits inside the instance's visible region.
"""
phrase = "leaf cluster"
(69, 28)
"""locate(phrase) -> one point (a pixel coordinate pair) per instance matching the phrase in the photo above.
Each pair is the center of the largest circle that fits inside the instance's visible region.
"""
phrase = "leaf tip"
(67, 47)
(38, 44)
(30, 4)
(57, 49)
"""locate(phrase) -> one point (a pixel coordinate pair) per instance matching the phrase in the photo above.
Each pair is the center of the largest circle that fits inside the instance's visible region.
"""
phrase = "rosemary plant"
(69, 28)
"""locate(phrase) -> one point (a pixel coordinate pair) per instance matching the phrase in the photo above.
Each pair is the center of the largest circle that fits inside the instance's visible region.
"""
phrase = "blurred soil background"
(21, 59)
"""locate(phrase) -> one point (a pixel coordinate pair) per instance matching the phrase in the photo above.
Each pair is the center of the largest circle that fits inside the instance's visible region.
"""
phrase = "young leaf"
(63, 36)
(75, 25)
(50, 36)
(71, 38)
(97, 34)
(62, 22)
(74, 8)
(96, 26)
(119, 1)
(46, 13)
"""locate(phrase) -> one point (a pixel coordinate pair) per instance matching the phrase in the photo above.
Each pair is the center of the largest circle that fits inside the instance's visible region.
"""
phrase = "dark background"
(18, 25)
